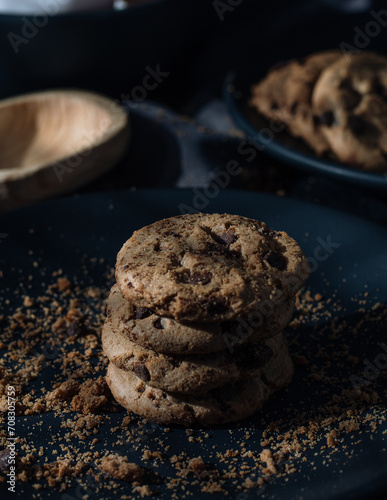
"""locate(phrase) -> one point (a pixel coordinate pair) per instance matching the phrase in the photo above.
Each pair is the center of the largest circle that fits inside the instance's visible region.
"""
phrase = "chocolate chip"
(222, 249)
(4, 456)
(253, 355)
(294, 107)
(220, 244)
(216, 248)
(204, 475)
(276, 260)
(356, 124)
(157, 324)
(228, 238)
(126, 267)
(142, 372)
(75, 329)
(200, 277)
(207, 475)
(268, 233)
(345, 84)
(327, 118)
(382, 91)
(174, 260)
(214, 306)
(142, 312)
(274, 106)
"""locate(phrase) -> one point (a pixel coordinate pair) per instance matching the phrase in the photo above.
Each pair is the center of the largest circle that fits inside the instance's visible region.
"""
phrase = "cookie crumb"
(143, 491)
(63, 284)
(119, 467)
(92, 397)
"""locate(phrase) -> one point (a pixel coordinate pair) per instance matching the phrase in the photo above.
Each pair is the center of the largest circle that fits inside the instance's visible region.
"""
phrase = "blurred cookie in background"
(336, 103)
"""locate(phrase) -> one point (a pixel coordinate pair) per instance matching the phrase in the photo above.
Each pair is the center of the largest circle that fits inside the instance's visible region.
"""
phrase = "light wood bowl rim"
(119, 121)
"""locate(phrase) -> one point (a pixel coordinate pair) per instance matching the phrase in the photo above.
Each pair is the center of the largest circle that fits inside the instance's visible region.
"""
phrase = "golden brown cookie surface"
(225, 404)
(285, 95)
(189, 374)
(165, 335)
(350, 99)
(209, 267)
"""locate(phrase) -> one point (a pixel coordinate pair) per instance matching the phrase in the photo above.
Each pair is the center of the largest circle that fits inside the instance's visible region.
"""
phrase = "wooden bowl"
(55, 141)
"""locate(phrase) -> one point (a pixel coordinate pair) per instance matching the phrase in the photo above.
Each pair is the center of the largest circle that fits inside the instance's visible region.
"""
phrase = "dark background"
(110, 52)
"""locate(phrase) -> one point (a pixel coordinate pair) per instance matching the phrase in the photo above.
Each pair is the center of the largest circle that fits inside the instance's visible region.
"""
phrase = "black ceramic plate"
(282, 145)
(349, 262)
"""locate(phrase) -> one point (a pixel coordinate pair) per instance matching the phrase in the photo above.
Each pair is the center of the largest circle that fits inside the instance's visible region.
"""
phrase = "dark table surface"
(182, 134)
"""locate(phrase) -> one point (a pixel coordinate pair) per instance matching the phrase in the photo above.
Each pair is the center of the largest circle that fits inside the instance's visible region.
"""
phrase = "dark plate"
(282, 145)
(348, 257)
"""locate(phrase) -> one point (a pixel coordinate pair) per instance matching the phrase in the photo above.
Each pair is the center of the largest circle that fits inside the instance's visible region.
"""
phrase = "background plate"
(348, 259)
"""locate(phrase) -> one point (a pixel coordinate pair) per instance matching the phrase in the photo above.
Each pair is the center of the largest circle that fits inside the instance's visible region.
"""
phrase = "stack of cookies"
(194, 324)
(335, 102)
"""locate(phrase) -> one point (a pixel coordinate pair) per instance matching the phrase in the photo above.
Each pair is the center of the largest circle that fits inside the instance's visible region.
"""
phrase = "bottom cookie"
(229, 403)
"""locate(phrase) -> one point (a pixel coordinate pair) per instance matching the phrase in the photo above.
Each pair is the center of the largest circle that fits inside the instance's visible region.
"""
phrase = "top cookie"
(350, 100)
(207, 268)
(285, 95)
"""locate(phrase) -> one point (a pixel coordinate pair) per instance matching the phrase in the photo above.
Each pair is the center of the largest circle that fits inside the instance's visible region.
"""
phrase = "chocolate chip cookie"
(165, 335)
(209, 268)
(228, 403)
(188, 374)
(350, 101)
(285, 95)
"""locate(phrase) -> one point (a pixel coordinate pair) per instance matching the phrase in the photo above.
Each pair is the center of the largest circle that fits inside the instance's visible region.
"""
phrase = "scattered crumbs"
(119, 467)
(93, 443)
